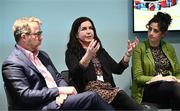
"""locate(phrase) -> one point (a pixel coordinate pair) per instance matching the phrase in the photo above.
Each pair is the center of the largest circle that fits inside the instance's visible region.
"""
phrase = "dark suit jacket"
(25, 83)
(81, 76)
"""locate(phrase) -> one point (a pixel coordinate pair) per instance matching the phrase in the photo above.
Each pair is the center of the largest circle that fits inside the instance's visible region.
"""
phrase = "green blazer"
(143, 66)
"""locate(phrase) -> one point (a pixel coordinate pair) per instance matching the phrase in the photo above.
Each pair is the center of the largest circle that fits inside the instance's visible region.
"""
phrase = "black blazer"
(25, 83)
(81, 76)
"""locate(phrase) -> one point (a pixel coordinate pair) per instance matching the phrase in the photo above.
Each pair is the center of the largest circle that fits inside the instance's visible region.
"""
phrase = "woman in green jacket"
(155, 68)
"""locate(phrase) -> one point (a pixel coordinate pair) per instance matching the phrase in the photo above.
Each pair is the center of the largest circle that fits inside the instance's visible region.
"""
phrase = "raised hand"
(92, 48)
(91, 51)
(132, 45)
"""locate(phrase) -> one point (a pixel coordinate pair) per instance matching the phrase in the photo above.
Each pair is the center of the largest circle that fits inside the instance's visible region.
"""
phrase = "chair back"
(65, 75)
(9, 99)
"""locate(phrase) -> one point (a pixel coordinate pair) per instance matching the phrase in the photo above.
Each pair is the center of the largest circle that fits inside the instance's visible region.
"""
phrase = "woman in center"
(91, 67)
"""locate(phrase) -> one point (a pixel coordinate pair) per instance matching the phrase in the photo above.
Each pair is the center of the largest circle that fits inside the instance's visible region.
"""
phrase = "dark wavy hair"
(73, 43)
(163, 20)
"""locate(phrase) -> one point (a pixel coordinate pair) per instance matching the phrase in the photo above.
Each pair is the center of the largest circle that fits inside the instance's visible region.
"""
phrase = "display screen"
(144, 10)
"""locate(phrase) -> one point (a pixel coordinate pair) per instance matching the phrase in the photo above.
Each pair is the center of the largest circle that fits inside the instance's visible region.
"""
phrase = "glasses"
(36, 34)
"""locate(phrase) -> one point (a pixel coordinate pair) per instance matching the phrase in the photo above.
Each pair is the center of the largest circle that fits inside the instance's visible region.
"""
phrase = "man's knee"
(92, 94)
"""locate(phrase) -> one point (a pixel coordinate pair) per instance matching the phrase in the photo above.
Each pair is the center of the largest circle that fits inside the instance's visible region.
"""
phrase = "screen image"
(144, 10)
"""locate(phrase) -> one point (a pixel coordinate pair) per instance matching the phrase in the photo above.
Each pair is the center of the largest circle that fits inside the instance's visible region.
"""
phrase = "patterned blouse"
(104, 89)
(162, 63)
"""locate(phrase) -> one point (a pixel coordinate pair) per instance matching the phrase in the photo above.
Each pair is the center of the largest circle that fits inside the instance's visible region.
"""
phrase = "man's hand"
(69, 90)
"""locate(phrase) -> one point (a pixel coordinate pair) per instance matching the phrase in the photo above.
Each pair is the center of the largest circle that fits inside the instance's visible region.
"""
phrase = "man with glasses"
(33, 81)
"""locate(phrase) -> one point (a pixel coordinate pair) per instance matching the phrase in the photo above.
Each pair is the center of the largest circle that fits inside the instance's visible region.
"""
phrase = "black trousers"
(124, 102)
(164, 94)
(81, 101)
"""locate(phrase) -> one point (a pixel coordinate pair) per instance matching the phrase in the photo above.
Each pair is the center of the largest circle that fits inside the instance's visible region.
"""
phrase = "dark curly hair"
(163, 20)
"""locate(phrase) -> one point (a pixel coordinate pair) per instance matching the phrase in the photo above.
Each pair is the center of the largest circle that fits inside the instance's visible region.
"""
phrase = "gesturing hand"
(92, 48)
(132, 45)
(91, 51)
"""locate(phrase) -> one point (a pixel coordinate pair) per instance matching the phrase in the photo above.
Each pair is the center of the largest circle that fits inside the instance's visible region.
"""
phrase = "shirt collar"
(28, 53)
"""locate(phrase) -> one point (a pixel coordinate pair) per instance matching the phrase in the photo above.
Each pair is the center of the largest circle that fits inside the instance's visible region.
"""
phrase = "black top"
(81, 75)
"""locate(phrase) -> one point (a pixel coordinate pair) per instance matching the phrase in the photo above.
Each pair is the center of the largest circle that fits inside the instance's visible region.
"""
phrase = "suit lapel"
(24, 58)
(47, 63)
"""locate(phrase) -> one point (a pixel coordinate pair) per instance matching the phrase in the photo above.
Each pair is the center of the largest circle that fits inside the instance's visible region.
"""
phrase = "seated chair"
(65, 75)
(9, 99)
